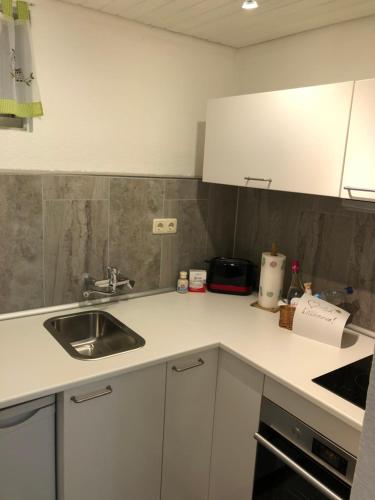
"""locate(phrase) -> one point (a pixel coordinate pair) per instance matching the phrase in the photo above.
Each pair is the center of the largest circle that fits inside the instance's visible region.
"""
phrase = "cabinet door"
(237, 409)
(359, 171)
(288, 140)
(110, 438)
(189, 412)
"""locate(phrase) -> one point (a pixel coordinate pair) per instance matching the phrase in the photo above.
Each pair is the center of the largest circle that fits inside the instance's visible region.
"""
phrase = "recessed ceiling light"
(249, 4)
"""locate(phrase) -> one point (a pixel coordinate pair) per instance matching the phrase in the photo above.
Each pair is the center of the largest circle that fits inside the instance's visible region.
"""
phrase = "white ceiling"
(223, 21)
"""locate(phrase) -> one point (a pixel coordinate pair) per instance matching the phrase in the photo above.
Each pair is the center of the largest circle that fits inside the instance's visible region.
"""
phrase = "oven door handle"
(296, 468)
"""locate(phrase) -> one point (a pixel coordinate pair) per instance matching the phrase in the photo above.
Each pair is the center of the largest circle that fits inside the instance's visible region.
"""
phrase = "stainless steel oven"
(295, 462)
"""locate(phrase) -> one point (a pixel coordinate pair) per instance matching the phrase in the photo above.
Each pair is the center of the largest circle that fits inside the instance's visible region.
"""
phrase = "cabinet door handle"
(92, 395)
(259, 179)
(200, 362)
(296, 467)
(365, 190)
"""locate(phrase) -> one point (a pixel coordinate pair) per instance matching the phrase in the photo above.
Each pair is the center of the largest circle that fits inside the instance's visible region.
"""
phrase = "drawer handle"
(365, 190)
(20, 419)
(200, 362)
(92, 395)
(260, 179)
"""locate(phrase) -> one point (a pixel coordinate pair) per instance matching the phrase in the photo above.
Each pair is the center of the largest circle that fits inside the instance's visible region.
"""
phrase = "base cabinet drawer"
(189, 413)
(110, 437)
(27, 451)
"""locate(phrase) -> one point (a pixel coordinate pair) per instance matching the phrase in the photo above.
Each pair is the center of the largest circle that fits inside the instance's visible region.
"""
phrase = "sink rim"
(67, 346)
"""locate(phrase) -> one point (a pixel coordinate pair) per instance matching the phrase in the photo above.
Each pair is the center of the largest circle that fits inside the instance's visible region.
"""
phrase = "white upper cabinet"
(359, 170)
(288, 140)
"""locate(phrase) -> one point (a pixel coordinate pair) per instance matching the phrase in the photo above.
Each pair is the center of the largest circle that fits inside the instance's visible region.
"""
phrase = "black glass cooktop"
(350, 382)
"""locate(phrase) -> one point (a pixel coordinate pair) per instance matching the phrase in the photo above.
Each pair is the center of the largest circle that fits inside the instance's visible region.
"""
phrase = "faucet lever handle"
(112, 273)
(109, 271)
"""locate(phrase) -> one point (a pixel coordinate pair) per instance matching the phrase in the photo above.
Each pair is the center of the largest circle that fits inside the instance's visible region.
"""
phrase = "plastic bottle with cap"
(183, 283)
(345, 298)
(338, 297)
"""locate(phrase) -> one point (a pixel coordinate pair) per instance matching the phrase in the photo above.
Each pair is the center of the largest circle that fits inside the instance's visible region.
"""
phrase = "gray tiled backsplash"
(21, 242)
(54, 228)
(190, 189)
(187, 247)
(75, 241)
(336, 246)
(75, 187)
(222, 204)
(132, 246)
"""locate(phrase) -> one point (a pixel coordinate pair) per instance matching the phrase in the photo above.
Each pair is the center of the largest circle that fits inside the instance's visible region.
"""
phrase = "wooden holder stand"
(286, 316)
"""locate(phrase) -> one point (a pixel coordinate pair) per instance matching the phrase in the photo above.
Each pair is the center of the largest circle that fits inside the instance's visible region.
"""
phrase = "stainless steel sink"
(92, 334)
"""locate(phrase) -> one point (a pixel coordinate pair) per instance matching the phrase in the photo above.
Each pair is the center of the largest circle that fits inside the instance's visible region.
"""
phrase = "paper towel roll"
(271, 279)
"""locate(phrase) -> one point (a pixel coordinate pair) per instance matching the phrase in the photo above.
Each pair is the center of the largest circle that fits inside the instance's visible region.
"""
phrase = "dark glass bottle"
(296, 288)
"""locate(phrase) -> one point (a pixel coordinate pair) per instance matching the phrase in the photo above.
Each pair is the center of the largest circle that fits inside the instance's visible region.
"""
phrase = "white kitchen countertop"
(33, 364)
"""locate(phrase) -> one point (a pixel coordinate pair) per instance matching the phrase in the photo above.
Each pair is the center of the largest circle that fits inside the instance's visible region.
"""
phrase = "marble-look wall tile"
(323, 247)
(326, 204)
(21, 254)
(134, 203)
(265, 217)
(187, 248)
(75, 187)
(361, 269)
(222, 206)
(206, 219)
(75, 242)
(186, 189)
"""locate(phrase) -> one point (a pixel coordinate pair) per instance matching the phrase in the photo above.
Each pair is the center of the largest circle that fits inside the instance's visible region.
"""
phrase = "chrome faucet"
(113, 285)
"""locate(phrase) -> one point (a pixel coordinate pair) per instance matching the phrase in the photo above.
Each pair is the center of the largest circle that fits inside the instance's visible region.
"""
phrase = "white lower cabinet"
(189, 414)
(205, 405)
(237, 409)
(110, 437)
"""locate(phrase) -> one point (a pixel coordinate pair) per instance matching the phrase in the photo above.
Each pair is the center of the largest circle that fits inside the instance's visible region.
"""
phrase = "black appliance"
(350, 382)
(234, 276)
(295, 462)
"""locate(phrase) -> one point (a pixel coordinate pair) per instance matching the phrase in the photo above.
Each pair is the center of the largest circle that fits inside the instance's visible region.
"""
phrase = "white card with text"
(319, 320)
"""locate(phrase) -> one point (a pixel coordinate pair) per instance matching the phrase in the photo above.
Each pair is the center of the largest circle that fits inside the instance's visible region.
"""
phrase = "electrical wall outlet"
(164, 226)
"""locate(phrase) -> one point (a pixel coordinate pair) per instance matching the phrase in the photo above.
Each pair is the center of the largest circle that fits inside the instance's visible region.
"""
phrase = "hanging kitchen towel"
(364, 477)
(19, 94)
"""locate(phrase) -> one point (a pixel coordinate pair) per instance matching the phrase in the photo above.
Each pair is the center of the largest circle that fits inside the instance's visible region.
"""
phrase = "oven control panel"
(308, 440)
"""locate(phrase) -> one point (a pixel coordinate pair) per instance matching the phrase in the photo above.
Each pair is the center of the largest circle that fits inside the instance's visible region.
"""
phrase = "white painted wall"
(336, 53)
(123, 97)
(118, 96)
